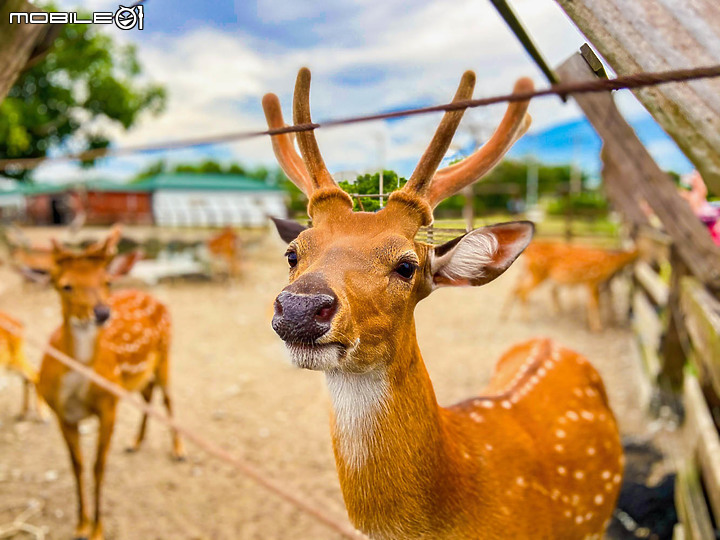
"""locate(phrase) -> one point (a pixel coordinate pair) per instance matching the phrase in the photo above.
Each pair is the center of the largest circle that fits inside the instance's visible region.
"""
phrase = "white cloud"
(216, 78)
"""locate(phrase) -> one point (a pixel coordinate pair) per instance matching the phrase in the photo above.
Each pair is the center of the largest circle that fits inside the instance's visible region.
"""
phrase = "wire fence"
(291, 496)
(635, 81)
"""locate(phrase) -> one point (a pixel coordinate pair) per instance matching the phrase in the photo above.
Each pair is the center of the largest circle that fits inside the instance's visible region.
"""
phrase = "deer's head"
(82, 279)
(355, 277)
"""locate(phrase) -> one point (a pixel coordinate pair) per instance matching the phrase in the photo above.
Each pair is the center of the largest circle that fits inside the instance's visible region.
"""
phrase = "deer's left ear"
(481, 255)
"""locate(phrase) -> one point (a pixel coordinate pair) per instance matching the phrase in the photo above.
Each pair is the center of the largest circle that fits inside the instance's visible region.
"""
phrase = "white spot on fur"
(358, 399)
(599, 499)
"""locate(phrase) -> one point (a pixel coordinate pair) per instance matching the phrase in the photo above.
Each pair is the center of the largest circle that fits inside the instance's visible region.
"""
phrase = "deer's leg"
(146, 393)
(107, 425)
(72, 439)
(521, 291)
(26, 399)
(178, 450)
(593, 308)
(555, 293)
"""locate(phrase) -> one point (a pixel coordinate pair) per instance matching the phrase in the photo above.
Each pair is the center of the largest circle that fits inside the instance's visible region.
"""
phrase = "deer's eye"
(292, 258)
(405, 270)
(67, 288)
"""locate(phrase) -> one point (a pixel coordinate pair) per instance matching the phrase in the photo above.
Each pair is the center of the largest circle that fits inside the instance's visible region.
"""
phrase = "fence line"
(637, 80)
(243, 466)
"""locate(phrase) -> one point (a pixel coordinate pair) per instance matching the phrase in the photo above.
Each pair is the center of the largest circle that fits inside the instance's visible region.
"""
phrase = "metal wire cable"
(637, 80)
(300, 502)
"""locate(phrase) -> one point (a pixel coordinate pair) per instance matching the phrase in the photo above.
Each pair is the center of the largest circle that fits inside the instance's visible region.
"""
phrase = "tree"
(86, 84)
(370, 184)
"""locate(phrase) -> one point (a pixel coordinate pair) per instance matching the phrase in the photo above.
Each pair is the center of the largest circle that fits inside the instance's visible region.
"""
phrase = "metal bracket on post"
(593, 61)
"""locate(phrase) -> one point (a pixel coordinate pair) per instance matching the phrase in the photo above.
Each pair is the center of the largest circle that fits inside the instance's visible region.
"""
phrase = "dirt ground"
(232, 384)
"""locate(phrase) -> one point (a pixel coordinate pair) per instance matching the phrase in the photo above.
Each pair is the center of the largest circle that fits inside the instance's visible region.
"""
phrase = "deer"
(226, 246)
(536, 455)
(123, 337)
(570, 265)
(12, 357)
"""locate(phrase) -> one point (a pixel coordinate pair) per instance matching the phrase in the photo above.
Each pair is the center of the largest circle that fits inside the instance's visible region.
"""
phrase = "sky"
(217, 59)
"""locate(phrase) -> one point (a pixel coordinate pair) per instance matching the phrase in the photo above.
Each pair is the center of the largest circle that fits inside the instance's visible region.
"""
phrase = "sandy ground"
(231, 383)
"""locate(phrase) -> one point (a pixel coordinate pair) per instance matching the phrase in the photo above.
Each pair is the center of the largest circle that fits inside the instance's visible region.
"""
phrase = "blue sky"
(218, 58)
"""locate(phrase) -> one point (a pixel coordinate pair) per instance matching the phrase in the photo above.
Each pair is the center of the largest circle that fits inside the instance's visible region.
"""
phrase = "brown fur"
(130, 349)
(567, 265)
(537, 455)
(226, 246)
(12, 357)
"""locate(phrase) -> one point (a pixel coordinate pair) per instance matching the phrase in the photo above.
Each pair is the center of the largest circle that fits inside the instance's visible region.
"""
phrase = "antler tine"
(426, 167)
(306, 139)
(514, 124)
(283, 146)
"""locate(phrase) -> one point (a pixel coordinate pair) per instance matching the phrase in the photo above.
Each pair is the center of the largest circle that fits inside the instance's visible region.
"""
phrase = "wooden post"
(656, 35)
(672, 353)
(18, 42)
(645, 179)
(468, 208)
(616, 191)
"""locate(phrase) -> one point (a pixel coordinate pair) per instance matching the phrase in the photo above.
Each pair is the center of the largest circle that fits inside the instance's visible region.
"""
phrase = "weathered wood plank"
(652, 35)
(648, 181)
(690, 503)
(648, 329)
(704, 436)
(616, 191)
(702, 320)
(17, 42)
(652, 283)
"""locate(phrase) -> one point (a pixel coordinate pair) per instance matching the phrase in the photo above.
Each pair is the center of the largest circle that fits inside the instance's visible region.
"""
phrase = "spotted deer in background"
(570, 265)
(123, 337)
(537, 455)
(12, 357)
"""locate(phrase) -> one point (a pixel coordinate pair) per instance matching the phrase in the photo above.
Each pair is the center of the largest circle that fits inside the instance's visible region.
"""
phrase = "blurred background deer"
(566, 265)
(123, 337)
(12, 357)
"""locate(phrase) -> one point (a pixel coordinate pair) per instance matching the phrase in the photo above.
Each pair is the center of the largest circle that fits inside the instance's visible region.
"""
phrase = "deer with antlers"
(570, 265)
(123, 337)
(12, 357)
(537, 455)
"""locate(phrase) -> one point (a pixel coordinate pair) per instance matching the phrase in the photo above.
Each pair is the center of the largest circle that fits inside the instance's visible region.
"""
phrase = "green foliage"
(370, 184)
(271, 176)
(86, 84)
(588, 204)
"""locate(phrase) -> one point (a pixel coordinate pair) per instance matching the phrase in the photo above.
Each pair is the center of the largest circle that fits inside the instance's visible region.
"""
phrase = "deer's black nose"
(303, 318)
(102, 313)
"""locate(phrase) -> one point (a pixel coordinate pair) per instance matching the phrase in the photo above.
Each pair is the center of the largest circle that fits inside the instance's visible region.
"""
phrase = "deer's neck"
(79, 338)
(391, 446)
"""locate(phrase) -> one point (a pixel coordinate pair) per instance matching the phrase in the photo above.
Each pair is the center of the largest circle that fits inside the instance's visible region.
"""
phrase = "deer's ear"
(481, 255)
(288, 229)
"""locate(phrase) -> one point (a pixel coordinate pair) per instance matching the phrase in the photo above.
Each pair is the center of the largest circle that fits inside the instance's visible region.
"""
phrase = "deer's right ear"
(287, 228)
(481, 255)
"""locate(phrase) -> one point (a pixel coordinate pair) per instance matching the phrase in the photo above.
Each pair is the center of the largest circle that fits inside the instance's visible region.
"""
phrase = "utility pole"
(382, 141)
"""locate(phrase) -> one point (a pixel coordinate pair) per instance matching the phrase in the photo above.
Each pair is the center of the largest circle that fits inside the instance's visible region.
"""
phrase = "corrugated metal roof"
(204, 182)
(169, 182)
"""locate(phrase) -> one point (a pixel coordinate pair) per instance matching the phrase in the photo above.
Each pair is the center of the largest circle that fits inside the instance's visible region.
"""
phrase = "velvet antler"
(307, 172)
(514, 124)
(433, 187)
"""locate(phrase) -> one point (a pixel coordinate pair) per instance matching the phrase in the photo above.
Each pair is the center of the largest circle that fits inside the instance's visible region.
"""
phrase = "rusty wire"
(300, 502)
(637, 80)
